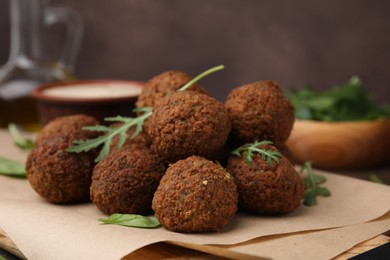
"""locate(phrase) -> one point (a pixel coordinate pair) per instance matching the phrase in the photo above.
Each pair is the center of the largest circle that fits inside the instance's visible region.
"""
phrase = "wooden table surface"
(164, 250)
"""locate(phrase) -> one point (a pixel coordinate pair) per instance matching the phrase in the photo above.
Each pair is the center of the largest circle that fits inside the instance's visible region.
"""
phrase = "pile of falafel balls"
(180, 166)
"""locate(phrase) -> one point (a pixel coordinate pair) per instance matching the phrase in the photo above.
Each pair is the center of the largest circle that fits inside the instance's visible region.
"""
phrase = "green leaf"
(312, 185)
(12, 168)
(376, 179)
(2, 257)
(322, 191)
(26, 144)
(310, 199)
(349, 101)
(111, 132)
(248, 151)
(132, 220)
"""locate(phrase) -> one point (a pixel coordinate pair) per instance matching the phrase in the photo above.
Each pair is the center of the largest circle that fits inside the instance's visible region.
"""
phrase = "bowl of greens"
(340, 128)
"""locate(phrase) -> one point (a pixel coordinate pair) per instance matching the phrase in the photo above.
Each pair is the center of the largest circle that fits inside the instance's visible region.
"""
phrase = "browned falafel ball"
(71, 124)
(188, 123)
(164, 84)
(195, 195)
(265, 189)
(260, 111)
(125, 181)
(57, 175)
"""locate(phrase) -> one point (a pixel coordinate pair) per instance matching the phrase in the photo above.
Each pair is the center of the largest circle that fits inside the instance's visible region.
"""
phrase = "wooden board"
(174, 250)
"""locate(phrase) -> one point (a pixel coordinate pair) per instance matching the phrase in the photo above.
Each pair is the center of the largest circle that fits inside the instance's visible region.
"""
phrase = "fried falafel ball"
(56, 174)
(125, 181)
(265, 189)
(164, 84)
(260, 111)
(188, 123)
(71, 124)
(195, 195)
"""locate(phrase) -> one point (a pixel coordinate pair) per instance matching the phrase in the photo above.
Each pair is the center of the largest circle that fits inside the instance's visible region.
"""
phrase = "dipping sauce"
(97, 98)
(93, 91)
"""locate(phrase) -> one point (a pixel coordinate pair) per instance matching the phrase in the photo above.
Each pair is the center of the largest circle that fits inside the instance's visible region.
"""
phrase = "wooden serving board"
(163, 250)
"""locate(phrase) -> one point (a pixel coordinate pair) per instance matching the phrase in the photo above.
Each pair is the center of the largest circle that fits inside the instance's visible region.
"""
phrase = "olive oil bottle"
(29, 64)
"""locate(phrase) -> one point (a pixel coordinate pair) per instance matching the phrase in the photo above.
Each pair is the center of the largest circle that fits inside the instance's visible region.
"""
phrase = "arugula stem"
(265, 153)
(200, 76)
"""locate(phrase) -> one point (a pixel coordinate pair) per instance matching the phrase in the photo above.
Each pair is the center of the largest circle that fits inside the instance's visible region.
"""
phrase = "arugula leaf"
(312, 185)
(248, 151)
(111, 132)
(349, 101)
(132, 220)
(12, 168)
(376, 179)
(21, 142)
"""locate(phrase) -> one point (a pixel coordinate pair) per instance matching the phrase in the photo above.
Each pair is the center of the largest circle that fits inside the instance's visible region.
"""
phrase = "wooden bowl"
(341, 145)
(97, 98)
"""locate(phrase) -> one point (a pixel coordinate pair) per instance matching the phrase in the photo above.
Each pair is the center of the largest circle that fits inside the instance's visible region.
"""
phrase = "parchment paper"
(46, 231)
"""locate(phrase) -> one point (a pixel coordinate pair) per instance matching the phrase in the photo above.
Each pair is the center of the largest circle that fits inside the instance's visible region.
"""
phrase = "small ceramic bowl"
(98, 98)
(341, 145)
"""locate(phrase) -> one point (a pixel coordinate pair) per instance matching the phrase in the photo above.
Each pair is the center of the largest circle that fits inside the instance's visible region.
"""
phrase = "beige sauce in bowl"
(92, 91)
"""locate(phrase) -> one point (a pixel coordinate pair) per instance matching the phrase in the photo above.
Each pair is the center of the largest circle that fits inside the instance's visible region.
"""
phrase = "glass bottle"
(28, 64)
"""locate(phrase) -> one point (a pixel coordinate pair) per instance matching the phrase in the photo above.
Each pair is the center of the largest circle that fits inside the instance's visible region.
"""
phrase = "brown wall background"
(293, 42)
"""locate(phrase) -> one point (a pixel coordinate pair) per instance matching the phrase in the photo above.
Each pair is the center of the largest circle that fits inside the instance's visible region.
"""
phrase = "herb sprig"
(249, 150)
(12, 168)
(132, 220)
(376, 179)
(349, 101)
(111, 132)
(137, 122)
(312, 185)
(200, 76)
(23, 143)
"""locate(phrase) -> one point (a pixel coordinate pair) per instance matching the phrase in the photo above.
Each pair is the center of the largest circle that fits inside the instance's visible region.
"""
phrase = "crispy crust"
(125, 181)
(164, 84)
(260, 111)
(195, 195)
(68, 125)
(57, 175)
(188, 123)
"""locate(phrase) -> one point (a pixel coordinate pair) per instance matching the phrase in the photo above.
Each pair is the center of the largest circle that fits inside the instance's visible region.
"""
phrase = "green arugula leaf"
(248, 151)
(12, 168)
(376, 179)
(312, 185)
(21, 142)
(132, 220)
(349, 101)
(111, 132)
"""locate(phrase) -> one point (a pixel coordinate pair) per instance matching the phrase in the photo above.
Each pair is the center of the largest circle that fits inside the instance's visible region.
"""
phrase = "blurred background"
(293, 42)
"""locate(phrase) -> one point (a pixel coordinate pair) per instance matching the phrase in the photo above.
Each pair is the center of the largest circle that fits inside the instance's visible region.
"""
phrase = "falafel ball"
(195, 195)
(125, 181)
(260, 111)
(265, 189)
(71, 124)
(164, 84)
(188, 123)
(57, 175)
